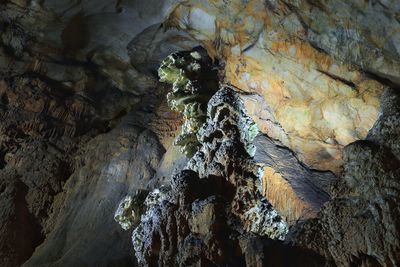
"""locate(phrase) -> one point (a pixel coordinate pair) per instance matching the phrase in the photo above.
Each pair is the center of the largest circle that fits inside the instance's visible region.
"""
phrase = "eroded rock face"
(194, 79)
(212, 203)
(360, 225)
(66, 76)
(84, 123)
(130, 209)
(184, 226)
(294, 190)
(98, 184)
(41, 130)
(308, 100)
(227, 150)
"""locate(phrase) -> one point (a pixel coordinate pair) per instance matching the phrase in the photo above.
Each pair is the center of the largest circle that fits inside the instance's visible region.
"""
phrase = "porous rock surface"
(79, 95)
(214, 202)
(194, 80)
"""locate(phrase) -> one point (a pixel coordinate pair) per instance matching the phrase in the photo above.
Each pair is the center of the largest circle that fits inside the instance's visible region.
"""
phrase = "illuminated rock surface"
(193, 78)
(85, 122)
(360, 223)
(212, 204)
(317, 104)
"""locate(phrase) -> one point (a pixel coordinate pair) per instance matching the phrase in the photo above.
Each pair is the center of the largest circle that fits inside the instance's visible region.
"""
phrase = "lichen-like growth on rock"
(227, 152)
(152, 199)
(130, 210)
(213, 204)
(195, 80)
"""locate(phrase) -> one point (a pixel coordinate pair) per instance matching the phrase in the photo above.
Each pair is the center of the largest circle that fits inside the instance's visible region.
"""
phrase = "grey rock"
(314, 187)
(359, 225)
(108, 171)
(211, 203)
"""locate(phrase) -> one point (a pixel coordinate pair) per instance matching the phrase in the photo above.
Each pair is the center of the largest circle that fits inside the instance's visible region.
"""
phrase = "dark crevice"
(382, 80)
(339, 79)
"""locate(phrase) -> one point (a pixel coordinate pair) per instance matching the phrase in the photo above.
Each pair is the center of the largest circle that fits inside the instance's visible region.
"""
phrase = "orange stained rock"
(319, 103)
(282, 197)
(318, 112)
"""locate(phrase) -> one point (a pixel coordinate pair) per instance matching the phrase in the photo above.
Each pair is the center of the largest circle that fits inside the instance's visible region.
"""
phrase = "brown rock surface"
(360, 225)
(40, 132)
(293, 189)
(63, 66)
(281, 195)
(111, 165)
(83, 122)
(306, 99)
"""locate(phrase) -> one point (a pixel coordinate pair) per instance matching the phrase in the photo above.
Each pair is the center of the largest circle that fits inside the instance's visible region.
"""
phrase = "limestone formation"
(293, 189)
(294, 60)
(194, 79)
(359, 226)
(130, 209)
(212, 203)
(84, 122)
(40, 123)
(227, 149)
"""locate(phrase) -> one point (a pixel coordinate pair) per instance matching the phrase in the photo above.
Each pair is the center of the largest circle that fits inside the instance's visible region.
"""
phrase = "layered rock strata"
(311, 74)
(296, 191)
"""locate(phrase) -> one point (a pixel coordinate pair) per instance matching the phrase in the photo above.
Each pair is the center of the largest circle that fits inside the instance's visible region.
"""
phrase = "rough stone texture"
(227, 150)
(42, 127)
(214, 202)
(130, 209)
(66, 76)
(386, 130)
(366, 33)
(360, 225)
(306, 99)
(111, 165)
(294, 190)
(311, 74)
(107, 168)
(194, 79)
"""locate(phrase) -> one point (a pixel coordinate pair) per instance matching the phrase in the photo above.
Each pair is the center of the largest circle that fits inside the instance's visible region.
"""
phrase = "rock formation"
(214, 202)
(360, 225)
(304, 128)
(194, 79)
(285, 53)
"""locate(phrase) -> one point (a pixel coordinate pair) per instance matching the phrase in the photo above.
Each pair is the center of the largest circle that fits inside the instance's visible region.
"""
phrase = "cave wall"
(304, 60)
(84, 120)
(76, 115)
